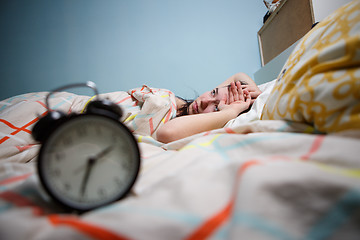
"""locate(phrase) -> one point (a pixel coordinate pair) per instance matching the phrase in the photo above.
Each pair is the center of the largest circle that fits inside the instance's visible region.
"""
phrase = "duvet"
(252, 179)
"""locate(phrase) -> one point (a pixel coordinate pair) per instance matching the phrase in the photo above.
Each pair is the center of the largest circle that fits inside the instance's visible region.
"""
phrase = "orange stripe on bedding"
(34, 120)
(314, 147)
(205, 230)
(4, 139)
(23, 148)
(20, 201)
(229, 130)
(123, 100)
(42, 104)
(246, 165)
(91, 230)
(15, 179)
(11, 126)
(23, 128)
(214, 222)
(132, 92)
(168, 115)
(151, 125)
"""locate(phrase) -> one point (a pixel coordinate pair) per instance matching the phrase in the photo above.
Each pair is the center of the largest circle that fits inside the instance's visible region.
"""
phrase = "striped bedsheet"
(250, 180)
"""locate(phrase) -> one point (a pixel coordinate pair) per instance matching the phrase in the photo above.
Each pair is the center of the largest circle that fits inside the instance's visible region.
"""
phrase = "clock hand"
(89, 166)
(97, 156)
(103, 152)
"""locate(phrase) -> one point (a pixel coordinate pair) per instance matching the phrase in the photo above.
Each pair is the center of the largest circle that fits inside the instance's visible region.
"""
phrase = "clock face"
(89, 161)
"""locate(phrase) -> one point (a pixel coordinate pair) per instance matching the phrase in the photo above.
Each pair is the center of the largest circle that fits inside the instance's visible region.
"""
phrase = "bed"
(287, 169)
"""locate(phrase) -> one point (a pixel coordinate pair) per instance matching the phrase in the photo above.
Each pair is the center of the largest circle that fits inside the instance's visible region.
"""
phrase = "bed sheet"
(252, 180)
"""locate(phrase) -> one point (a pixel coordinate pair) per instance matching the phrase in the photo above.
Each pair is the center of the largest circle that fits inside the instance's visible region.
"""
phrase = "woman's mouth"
(195, 107)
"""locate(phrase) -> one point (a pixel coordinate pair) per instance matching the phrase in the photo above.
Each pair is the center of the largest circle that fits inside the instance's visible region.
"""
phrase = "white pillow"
(255, 111)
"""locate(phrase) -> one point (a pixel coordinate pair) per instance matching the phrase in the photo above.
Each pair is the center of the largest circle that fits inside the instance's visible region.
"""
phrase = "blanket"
(255, 179)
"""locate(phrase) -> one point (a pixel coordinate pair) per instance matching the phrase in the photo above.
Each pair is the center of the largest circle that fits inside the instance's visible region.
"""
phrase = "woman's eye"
(213, 92)
(216, 109)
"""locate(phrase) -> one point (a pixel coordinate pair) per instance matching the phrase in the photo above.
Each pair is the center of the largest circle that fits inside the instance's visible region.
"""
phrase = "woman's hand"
(248, 84)
(238, 100)
(253, 90)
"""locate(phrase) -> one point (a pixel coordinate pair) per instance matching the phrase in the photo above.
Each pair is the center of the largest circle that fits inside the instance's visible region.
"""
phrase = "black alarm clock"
(86, 160)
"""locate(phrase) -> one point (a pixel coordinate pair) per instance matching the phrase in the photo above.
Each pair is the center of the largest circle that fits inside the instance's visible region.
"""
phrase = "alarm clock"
(86, 160)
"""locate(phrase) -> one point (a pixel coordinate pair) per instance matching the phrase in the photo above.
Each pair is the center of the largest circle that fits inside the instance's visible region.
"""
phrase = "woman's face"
(209, 101)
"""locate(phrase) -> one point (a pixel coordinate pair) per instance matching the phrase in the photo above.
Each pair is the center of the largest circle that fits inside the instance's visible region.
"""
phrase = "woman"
(211, 110)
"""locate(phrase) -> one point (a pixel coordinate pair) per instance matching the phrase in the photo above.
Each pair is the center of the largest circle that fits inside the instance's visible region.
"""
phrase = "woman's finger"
(240, 91)
(255, 92)
(235, 91)
(231, 96)
(247, 96)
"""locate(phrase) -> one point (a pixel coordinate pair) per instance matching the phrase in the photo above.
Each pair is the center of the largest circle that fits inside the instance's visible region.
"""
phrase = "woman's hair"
(184, 109)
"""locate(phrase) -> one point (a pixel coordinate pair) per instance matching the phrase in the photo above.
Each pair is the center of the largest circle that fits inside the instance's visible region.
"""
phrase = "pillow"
(320, 82)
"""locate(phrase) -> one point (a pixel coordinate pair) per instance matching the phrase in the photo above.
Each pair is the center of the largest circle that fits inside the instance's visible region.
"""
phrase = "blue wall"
(184, 46)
